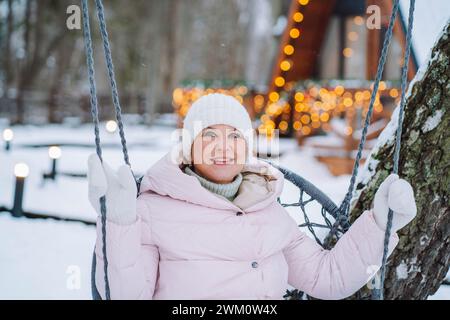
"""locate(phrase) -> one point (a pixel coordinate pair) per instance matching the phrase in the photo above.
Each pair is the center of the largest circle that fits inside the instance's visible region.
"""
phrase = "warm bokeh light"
(258, 100)
(315, 124)
(352, 36)
(294, 33)
(297, 125)
(299, 96)
(285, 65)
(305, 119)
(274, 96)
(306, 130)
(348, 130)
(283, 125)
(358, 20)
(279, 81)
(314, 117)
(339, 90)
(347, 52)
(324, 117)
(288, 49)
(177, 96)
(298, 17)
(393, 93)
(348, 102)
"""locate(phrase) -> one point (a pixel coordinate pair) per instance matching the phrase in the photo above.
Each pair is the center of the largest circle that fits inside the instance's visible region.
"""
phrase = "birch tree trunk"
(418, 265)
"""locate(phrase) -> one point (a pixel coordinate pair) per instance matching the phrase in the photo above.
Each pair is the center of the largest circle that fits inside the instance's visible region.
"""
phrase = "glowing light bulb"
(8, 134)
(21, 170)
(111, 126)
(54, 152)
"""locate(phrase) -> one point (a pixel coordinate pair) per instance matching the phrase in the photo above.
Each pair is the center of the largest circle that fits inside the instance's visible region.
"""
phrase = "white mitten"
(398, 195)
(119, 188)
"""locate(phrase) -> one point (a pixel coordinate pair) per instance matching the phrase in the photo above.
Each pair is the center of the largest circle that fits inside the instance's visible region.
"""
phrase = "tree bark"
(418, 265)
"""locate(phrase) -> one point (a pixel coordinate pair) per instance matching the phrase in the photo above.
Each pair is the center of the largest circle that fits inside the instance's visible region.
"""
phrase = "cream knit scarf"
(227, 190)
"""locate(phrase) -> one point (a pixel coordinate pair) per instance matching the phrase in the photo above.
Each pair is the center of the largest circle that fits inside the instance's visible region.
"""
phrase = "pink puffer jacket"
(189, 243)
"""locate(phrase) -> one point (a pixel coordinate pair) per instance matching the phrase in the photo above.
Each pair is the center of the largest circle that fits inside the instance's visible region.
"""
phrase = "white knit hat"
(212, 109)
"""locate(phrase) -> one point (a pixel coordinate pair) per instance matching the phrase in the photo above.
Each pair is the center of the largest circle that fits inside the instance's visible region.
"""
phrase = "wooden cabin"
(323, 73)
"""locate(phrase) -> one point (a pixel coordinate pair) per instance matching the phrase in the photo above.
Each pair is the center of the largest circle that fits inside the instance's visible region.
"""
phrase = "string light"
(347, 52)
(299, 96)
(279, 81)
(285, 65)
(294, 33)
(352, 36)
(348, 130)
(274, 96)
(283, 125)
(306, 130)
(358, 20)
(324, 117)
(315, 105)
(393, 93)
(297, 125)
(315, 124)
(297, 17)
(288, 49)
(305, 119)
(348, 102)
(339, 90)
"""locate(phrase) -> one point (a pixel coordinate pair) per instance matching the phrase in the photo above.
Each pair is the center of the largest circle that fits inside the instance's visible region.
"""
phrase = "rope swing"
(308, 192)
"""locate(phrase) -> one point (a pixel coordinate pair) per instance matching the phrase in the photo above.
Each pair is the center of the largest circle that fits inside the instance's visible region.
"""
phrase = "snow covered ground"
(50, 259)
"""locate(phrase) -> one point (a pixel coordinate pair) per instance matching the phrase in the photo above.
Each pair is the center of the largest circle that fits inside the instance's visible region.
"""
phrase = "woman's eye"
(235, 136)
(209, 134)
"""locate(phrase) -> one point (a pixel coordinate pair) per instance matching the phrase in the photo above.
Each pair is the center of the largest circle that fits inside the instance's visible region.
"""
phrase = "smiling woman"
(207, 223)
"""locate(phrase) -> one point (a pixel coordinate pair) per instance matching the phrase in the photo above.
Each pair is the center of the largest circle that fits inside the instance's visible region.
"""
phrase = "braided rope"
(378, 292)
(387, 40)
(94, 112)
(345, 205)
(112, 80)
(94, 107)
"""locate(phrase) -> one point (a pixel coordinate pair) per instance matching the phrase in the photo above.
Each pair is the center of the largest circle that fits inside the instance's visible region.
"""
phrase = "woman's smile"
(222, 161)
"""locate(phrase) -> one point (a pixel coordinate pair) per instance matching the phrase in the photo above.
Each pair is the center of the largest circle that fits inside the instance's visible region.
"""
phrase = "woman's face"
(218, 153)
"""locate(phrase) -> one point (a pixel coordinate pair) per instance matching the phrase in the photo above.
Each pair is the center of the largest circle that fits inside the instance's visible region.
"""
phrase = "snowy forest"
(317, 78)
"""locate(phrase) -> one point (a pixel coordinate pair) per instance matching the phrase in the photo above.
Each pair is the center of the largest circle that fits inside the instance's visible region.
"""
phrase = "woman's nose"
(222, 145)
